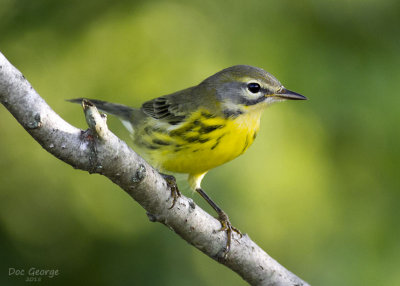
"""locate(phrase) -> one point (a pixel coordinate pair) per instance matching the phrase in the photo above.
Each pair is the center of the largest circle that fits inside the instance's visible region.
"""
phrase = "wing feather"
(173, 108)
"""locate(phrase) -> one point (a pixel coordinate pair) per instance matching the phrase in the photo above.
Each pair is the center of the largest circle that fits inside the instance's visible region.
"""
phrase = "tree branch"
(97, 150)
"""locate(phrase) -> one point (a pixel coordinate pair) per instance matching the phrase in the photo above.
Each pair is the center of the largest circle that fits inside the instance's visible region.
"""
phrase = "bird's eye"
(253, 87)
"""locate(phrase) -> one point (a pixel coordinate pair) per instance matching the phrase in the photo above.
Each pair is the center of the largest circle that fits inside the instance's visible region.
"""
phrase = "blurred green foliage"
(319, 189)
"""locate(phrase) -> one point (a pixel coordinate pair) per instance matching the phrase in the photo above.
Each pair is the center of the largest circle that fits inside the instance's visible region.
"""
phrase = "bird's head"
(244, 88)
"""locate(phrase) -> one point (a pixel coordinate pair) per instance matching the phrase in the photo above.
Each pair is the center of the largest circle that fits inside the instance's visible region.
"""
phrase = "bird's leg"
(171, 182)
(223, 218)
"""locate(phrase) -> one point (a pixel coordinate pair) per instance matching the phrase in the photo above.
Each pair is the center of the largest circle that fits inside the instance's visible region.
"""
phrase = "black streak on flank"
(207, 115)
(160, 142)
(182, 130)
(245, 144)
(195, 139)
(180, 148)
(191, 139)
(208, 129)
(152, 147)
(218, 140)
(254, 135)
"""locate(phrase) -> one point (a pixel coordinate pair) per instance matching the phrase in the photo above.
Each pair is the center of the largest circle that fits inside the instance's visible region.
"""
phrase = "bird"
(196, 129)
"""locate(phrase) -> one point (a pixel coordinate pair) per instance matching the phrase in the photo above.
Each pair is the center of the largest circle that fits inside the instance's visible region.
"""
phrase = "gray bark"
(97, 150)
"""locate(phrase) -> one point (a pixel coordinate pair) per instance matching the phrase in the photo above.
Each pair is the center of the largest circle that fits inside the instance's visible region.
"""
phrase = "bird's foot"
(223, 219)
(228, 228)
(175, 193)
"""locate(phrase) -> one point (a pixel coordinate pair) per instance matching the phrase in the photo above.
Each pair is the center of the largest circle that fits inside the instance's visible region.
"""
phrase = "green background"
(318, 190)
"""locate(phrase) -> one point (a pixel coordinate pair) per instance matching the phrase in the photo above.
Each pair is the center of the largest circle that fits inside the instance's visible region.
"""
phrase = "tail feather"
(122, 111)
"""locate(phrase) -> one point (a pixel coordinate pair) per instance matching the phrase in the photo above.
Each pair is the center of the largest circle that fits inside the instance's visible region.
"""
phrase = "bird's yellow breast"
(199, 144)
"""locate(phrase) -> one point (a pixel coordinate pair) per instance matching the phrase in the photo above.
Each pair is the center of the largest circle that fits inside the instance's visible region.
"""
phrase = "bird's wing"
(172, 108)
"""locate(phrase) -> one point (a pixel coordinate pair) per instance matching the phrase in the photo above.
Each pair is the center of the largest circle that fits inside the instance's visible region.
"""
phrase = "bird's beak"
(287, 94)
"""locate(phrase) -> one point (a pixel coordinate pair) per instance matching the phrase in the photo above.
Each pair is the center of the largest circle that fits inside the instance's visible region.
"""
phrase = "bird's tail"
(124, 112)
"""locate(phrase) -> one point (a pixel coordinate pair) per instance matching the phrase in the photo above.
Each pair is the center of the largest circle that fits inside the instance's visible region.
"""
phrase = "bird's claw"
(228, 228)
(175, 193)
